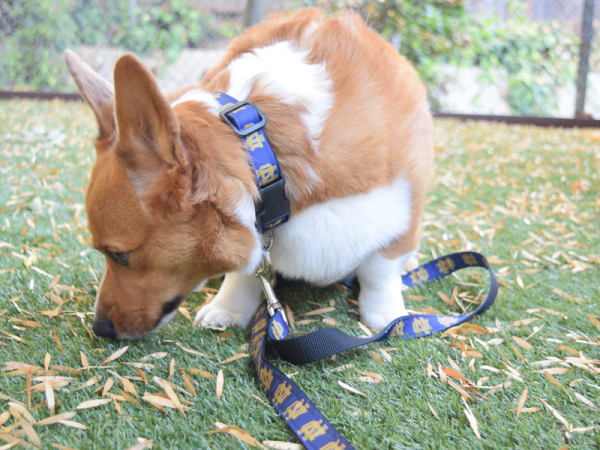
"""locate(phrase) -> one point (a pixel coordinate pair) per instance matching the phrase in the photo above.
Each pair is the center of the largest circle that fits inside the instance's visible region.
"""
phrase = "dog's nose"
(104, 328)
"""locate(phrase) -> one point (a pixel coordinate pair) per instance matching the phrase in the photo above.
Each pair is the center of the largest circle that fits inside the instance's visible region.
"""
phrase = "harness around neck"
(248, 122)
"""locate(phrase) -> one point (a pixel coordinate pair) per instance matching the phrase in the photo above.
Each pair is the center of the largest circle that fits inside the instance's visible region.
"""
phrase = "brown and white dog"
(171, 196)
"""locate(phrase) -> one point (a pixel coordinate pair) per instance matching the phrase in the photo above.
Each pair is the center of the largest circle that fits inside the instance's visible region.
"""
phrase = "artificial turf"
(526, 197)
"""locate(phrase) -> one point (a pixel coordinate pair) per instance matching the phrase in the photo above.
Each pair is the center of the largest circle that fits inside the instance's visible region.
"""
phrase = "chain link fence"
(516, 57)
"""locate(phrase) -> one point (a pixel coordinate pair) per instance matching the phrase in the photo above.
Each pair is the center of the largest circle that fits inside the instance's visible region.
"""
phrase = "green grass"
(522, 184)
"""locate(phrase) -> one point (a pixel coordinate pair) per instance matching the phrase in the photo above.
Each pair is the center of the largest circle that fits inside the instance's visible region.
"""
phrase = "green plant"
(424, 32)
(536, 58)
(32, 52)
(168, 26)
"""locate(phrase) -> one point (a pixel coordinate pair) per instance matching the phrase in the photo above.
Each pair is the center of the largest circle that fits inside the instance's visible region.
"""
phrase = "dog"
(171, 198)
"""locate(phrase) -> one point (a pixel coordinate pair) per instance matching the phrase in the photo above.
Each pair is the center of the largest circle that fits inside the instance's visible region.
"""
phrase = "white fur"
(235, 303)
(380, 299)
(245, 211)
(283, 70)
(326, 242)
(200, 96)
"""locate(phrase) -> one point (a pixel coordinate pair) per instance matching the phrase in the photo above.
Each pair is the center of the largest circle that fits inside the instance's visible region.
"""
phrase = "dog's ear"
(96, 91)
(148, 138)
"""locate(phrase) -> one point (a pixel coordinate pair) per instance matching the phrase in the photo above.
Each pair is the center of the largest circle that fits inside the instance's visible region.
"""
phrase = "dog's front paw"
(235, 303)
(214, 315)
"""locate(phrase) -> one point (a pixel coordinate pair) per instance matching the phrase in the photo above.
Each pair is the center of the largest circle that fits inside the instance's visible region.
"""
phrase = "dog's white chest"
(326, 242)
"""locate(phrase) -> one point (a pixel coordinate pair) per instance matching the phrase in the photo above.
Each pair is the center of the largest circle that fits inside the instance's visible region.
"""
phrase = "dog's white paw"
(380, 319)
(215, 315)
(235, 303)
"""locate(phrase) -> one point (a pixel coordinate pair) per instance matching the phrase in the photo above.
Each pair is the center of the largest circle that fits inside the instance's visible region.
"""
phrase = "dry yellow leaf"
(142, 445)
(234, 358)
(278, 445)
(220, 382)
(93, 403)
(320, 311)
(72, 424)
(522, 343)
(55, 419)
(188, 383)
(521, 402)
(30, 432)
(115, 355)
(238, 433)
(351, 389)
(202, 373)
(109, 384)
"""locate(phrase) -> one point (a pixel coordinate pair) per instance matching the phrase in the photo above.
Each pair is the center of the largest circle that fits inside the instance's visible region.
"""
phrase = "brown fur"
(165, 187)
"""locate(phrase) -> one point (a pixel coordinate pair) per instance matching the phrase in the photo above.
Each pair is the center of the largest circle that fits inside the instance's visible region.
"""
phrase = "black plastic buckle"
(246, 131)
(274, 207)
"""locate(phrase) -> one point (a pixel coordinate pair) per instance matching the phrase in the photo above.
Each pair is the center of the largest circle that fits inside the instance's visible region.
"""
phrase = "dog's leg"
(380, 299)
(235, 303)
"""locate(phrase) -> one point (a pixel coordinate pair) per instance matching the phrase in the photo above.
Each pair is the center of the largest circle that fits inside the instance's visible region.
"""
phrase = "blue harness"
(248, 122)
(300, 414)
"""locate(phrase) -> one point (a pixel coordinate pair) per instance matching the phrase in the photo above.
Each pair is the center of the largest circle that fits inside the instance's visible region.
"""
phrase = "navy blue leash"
(300, 414)
(303, 418)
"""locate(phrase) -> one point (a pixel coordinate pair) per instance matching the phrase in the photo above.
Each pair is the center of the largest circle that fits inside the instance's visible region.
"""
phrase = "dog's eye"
(120, 258)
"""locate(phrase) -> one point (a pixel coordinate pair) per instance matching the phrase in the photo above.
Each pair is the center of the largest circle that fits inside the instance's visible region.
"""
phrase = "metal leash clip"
(265, 275)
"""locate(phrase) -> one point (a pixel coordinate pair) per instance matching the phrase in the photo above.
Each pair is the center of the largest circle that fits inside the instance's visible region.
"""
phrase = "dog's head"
(164, 198)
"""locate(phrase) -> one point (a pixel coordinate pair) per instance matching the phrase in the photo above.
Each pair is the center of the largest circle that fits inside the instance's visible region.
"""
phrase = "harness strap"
(247, 121)
(301, 416)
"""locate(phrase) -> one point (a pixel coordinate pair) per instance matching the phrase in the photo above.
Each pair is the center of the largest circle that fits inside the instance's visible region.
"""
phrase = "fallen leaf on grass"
(234, 358)
(155, 400)
(62, 447)
(109, 384)
(459, 389)
(522, 322)
(555, 413)
(585, 400)
(128, 398)
(376, 357)
(57, 418)
(188, 382)
(594, 320)
(115, 355)
(351, 389)
(238, 433)
(70, 423)
(553, 370)
(220, 382)
(374, 375)
(472, 420)
(521, 402)
(90, 382)
(142, 445)
(202, 373)
(173, 397)
(30, 432)
(185, 313)
(93, 403)
(278, 445)
(579, 430)
(325, 310)
(522, 343)
(157, 355)
(433, 411)
(364, 329)
(189, 350)
(27, 323)
(454, 373)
